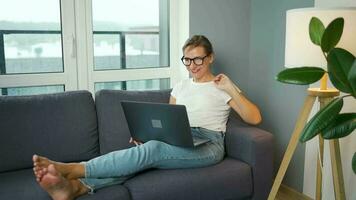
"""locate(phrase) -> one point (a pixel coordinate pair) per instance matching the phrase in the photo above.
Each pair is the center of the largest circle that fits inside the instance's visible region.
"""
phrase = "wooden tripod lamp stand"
(300, 51)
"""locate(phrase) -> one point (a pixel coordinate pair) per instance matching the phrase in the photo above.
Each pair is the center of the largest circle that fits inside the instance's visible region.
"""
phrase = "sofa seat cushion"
(116, 192)
(230, 179)
(22, 185)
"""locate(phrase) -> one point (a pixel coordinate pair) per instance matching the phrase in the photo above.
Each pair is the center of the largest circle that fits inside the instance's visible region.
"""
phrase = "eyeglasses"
(197, 60)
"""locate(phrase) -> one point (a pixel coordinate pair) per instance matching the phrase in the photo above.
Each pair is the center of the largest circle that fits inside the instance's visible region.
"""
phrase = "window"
(31, 51)
(55, 45)
(150, 84)
(32, 90)
(132, 37)
(32, 47)
(30, 42)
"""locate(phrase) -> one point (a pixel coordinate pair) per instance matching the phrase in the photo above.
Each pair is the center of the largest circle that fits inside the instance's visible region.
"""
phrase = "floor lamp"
(300, 51)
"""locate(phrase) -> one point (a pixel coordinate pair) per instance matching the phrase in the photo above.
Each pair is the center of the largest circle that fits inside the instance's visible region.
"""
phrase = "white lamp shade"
(300, 51)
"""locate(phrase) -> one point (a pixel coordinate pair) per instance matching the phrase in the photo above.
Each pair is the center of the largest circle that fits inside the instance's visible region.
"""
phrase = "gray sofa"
(71, 127)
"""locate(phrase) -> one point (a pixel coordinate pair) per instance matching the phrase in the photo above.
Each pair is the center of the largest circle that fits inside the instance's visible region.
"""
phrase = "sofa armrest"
(255, 147)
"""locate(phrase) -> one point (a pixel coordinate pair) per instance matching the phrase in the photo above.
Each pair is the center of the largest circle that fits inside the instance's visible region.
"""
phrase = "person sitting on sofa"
(208, 100)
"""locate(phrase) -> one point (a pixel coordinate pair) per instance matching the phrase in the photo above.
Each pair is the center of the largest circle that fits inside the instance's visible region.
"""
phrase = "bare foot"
(67, 170)
(58, 187)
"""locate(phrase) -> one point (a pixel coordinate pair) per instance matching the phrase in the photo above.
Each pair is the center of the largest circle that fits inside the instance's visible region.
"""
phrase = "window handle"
(73, 47)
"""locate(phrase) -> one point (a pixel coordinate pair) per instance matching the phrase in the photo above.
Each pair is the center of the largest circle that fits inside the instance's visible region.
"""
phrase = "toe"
(35, 158)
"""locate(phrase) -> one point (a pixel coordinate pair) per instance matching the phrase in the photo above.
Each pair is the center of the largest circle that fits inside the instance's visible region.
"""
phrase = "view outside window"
(32, 90)
(30, 42)
(129, 35)
(106, 51)
(143, 51)
(151, 84)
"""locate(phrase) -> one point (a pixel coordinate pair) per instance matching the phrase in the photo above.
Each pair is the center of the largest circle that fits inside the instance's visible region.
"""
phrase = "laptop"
(158, 121)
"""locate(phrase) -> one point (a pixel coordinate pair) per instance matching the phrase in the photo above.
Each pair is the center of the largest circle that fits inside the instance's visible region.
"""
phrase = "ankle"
(74, 171)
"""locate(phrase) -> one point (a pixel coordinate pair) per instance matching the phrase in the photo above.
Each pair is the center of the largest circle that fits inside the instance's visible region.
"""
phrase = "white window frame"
(113, 75)
(77, 44)
(178, 32)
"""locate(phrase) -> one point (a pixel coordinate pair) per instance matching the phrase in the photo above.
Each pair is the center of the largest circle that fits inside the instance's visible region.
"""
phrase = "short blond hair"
(201, 41)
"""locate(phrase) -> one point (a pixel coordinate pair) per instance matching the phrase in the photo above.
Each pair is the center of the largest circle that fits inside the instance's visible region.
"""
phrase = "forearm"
(248, 111)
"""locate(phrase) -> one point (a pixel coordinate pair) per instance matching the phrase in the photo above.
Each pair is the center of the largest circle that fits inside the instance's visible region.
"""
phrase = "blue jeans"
(116, 167)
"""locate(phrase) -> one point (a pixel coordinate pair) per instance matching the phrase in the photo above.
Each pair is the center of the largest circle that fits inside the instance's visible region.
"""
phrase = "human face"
(199, 72)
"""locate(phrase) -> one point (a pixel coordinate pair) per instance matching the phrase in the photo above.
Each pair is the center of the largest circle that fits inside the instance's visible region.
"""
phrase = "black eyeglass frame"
(193, 59)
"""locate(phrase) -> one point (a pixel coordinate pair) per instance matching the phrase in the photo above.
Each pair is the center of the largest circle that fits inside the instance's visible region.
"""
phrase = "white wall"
(347, 144)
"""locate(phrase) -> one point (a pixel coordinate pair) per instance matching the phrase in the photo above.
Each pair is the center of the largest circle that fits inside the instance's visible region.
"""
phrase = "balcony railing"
(121, 34)
(122, 38)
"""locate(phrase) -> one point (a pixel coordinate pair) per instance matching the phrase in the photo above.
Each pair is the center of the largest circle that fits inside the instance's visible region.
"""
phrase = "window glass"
(134, 35)
(149, 84)
(106, 51)
(143, 51)
(30, 37)
(15, 91)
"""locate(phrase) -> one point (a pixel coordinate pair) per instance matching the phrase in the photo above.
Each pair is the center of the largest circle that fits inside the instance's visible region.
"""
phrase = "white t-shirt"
(207, 106)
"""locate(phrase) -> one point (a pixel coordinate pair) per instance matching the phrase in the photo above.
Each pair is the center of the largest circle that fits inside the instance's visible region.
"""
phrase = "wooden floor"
(286, 193)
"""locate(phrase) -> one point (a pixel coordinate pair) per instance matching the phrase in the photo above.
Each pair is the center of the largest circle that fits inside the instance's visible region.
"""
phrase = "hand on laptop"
(133, 141)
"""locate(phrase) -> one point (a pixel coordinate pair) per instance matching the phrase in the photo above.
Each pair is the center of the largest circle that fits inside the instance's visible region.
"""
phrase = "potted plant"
(341, 68)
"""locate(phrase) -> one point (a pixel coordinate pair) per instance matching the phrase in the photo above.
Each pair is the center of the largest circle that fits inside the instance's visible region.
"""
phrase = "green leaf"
(321, 119)
(332, 34)
(316, 30)
(340, 62)
(342, 126)
(352, 78)
(300, 75)
(354, 163)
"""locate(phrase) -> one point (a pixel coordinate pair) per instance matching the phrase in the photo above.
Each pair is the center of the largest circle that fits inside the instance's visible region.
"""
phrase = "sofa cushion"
(230, 179)
(115, 192)
(114, 133)
(61, 126)
(21, 185)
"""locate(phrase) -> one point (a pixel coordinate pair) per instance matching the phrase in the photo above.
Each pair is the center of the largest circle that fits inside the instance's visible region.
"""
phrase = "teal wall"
(227, 25)
(280, 103)
(248, 37)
